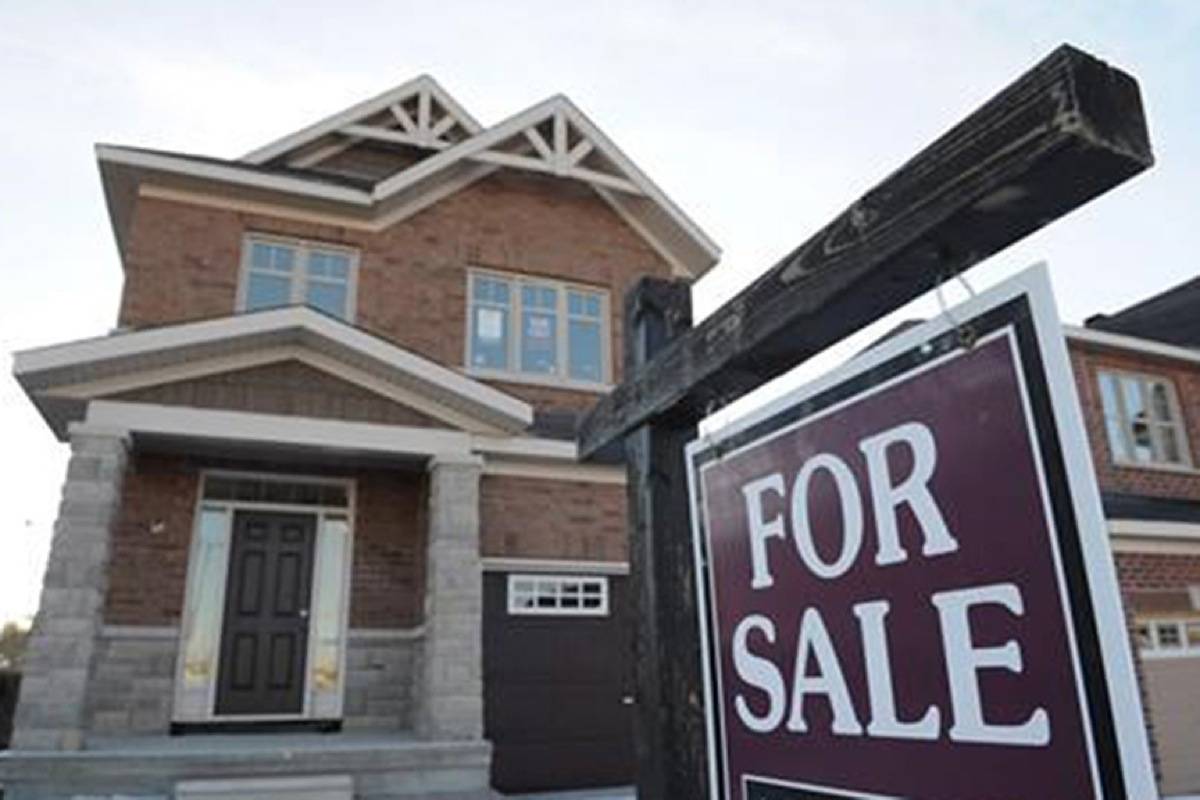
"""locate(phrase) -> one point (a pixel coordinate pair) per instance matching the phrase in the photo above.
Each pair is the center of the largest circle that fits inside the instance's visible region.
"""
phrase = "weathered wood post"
(1063, 133)
(669, 710)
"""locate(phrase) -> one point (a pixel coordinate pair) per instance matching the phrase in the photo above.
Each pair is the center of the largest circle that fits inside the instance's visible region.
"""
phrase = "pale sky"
(762, 120)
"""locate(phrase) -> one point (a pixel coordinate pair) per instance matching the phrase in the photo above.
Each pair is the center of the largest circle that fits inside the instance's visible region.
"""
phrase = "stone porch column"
(58, 660)
(450, 702)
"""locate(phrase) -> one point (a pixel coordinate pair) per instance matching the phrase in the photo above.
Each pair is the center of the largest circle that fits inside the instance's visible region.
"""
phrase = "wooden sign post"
(1066, 131)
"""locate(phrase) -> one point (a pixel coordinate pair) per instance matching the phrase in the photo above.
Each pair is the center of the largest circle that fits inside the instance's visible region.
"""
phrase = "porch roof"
(61, 379)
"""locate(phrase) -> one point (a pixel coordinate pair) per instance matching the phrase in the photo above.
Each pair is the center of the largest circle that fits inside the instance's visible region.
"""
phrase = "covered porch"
(236, 584)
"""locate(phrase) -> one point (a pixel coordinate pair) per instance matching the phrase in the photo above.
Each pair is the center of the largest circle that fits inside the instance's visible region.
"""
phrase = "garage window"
(563, 595)
(1169, 637)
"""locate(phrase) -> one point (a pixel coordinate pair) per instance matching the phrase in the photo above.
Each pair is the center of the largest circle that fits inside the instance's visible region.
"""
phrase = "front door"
(264, 642)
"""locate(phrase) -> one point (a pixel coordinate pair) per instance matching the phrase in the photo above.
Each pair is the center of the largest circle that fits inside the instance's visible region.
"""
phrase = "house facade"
(1138, 378)
(323, 531)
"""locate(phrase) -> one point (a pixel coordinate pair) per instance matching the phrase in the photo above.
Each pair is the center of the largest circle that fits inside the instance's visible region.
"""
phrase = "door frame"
(195, 694)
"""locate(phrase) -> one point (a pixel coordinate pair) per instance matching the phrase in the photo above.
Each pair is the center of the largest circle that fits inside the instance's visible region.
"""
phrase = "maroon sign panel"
(896, 596)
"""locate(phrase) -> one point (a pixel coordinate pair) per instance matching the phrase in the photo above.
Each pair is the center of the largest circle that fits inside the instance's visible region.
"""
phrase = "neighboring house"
(1138, 375)
(323, 503)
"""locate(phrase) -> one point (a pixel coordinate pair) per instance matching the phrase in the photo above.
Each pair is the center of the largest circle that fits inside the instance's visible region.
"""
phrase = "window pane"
(1168, 636)
(489, 337)
(203, 634)
(1108, 395)
(1135, 406)
(586, 351)
(328, 297)
(539, 339)
(1193, 634)
(1116, 440)
(329, 265)
(1159, 402)
(583, 304)
(1170, 444)
(264, 290)
(491, 290)
(272, 257)
(1143, 442)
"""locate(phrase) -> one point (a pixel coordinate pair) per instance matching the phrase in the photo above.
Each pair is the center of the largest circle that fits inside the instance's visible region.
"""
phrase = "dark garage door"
(555, 683)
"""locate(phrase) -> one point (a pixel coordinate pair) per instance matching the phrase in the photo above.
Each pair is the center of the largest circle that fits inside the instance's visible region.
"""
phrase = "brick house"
(1138, 376)
(323, 531)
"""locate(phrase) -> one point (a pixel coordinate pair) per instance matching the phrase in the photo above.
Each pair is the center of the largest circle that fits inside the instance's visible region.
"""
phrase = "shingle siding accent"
(290, 388)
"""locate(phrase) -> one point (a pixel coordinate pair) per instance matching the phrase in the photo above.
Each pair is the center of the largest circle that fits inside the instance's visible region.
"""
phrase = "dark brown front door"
(264, 642)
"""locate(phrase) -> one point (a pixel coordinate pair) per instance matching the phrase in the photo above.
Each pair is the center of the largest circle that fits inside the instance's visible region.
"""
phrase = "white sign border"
(1034, 284)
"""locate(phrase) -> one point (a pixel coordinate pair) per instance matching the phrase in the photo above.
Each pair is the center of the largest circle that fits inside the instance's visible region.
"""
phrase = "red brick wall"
(1157, 571)
(148, 572)
(534, 518)
(1087, 359)
(183, 261)
(388, 576)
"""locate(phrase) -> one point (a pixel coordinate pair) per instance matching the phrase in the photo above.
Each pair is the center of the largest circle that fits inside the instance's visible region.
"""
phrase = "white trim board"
(271, 430)
(1154, 529)
(1135, 344)
(552, 565)
(579, 473)
(1139, 544)
(232, 173)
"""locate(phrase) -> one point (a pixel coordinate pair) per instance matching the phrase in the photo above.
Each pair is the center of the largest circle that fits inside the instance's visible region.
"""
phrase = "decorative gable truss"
(415, 145)
(553, 137)
(419, 113)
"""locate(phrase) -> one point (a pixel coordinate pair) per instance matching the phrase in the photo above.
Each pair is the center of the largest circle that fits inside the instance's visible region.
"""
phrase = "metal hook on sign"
(967, 335)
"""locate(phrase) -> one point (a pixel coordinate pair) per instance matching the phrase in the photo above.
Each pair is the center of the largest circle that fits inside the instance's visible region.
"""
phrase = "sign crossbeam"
(1066, 131)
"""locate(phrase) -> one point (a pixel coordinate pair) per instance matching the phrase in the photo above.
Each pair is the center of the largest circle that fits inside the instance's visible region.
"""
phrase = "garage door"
(556, 657)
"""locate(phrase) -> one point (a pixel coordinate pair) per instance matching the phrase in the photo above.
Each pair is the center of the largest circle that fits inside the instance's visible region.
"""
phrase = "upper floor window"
(529, 327)
(1141, 416)
(282, 272)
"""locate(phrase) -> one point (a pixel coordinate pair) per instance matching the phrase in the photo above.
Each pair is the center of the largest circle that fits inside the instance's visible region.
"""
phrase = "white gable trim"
(70, 363)
(552, 158)
(232, 173)
(424, 86)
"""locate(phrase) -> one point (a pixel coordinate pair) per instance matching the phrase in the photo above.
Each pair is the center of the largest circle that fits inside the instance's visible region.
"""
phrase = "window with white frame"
(1142, 419)
(1169, 637)
(534, 328)
(567, 595)
(282, 272)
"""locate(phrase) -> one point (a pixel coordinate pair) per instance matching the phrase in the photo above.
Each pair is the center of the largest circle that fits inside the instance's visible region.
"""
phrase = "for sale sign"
(905, 581)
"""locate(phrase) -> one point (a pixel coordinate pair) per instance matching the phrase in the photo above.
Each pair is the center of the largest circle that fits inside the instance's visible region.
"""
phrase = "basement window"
(282, 272)
(1142, 419)
(536, 330)
(558, 595)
